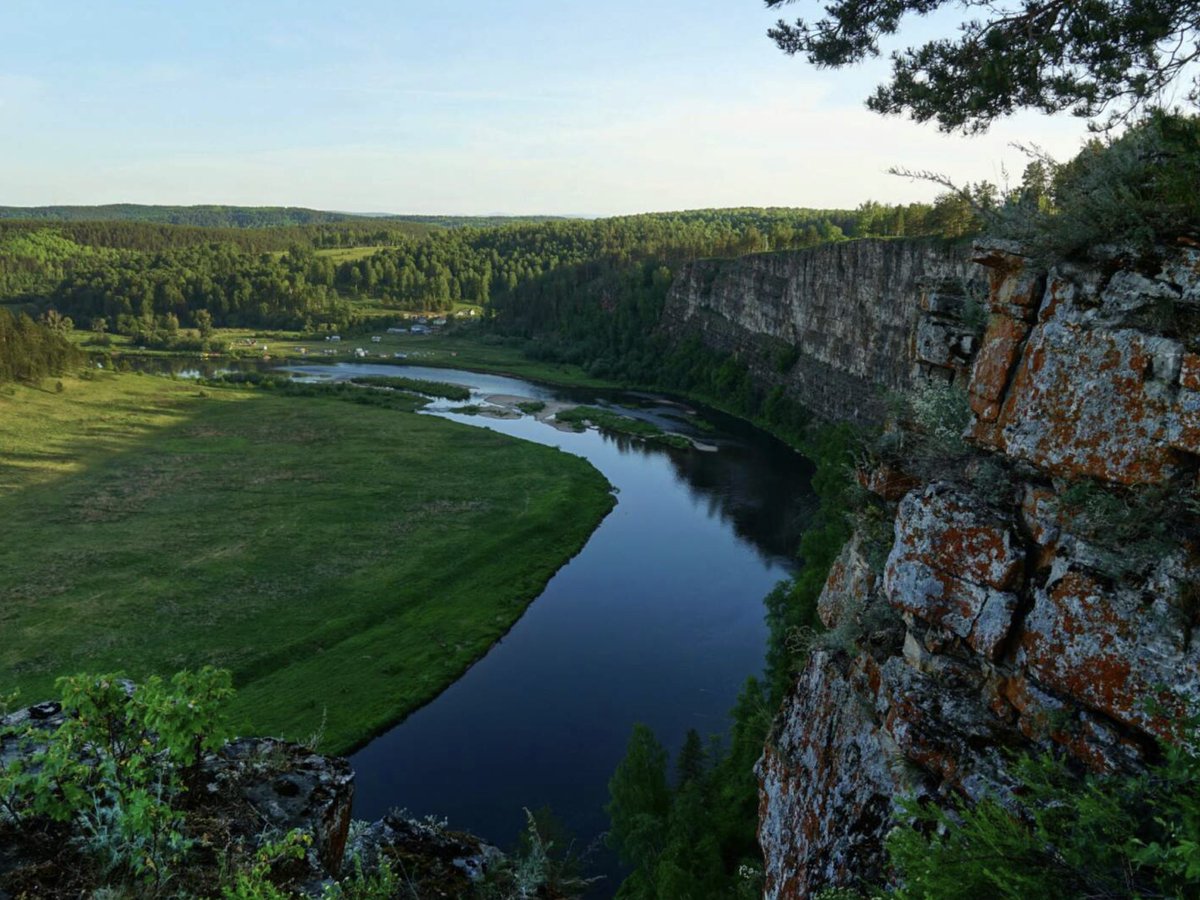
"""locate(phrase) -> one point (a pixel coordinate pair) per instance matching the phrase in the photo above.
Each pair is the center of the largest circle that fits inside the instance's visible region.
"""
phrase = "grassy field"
(346, 562)
(349, 254)
(460, 348)
(463, 350)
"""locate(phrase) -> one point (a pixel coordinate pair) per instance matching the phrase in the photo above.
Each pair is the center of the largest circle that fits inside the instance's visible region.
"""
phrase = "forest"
(212, 216)
(149, 279)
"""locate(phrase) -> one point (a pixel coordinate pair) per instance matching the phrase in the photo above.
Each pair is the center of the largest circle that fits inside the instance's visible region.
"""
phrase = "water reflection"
(658, 620)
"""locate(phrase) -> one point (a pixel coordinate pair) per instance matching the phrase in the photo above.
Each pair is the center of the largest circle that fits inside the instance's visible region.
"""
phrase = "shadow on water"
(658, 620)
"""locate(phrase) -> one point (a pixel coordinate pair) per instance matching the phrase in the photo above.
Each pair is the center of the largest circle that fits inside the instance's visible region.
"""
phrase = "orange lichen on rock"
(998, 354)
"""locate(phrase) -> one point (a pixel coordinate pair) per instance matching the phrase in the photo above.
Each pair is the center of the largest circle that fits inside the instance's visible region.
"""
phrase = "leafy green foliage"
(1129, 527)
(186, 713)
(381, 884)
(544, 864)
(1085, 57)
(942, 414)
(1133, 191)
(1073, 836)
(109, 770)
(253, 882)
(30, 350)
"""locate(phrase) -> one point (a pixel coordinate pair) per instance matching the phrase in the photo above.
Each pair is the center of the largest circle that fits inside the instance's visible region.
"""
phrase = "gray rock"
(851, 309)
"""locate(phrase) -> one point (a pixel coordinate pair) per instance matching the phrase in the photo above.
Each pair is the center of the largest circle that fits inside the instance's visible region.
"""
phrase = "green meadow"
(346, 562)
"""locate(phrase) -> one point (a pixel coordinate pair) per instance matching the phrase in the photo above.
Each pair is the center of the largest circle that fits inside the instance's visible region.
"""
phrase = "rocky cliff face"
(849, 310)
(1044, 603)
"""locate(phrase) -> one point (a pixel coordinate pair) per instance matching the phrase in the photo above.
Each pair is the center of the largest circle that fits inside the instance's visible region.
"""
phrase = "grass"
(454, 349)
(349, 254)
(607, 420)
(417, 385)
(457, 349)
(346, 562)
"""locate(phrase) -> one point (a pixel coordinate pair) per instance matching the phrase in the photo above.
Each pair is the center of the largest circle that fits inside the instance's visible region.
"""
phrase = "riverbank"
(462, 347)
(346, 562)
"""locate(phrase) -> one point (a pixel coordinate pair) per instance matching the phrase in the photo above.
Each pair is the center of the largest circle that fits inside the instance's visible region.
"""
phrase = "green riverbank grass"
(457, 349)
(346, 562)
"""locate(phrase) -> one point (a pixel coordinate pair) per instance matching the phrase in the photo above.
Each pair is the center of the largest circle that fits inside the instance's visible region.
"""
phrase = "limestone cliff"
(1008, 615)
(849, 310)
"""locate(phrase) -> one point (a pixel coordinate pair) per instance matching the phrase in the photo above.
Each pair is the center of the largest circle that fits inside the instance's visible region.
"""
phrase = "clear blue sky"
(476, 106)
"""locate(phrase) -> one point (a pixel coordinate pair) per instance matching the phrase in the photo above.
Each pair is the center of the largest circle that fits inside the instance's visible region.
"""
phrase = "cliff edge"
(834, 325)
(1042, 593)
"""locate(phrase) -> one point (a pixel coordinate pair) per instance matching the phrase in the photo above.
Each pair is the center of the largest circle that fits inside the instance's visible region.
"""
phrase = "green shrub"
(786, 358)
(943, 413)
(1132, 527)
(381, 884)
(1132, 191)
(1072, 836)
(115, 766)
(254, 881)
(545, 864)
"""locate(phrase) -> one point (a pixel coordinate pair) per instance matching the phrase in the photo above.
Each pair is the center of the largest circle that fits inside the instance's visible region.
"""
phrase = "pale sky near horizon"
(472, 107)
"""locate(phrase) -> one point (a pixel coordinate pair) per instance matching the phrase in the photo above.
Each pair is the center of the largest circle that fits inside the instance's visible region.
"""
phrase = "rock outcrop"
(1022, 618)
(251, 791)
(835, 326)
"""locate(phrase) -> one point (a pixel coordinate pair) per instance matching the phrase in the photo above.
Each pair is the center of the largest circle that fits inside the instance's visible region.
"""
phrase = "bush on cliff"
(1131, 192)
(114, 771)
(1073, 836)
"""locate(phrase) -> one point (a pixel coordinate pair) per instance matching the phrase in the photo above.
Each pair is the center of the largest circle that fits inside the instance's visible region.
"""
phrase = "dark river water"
(659, 619)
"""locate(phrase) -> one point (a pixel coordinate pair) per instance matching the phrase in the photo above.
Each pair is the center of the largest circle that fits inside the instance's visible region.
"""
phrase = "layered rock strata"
(1009, 614)
(833, 326)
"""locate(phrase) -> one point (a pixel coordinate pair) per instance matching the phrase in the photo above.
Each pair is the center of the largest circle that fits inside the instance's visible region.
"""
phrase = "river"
(659, 619)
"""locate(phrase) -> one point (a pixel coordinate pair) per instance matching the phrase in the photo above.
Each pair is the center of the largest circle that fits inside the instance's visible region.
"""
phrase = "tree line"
(31, 350)
(145, 278)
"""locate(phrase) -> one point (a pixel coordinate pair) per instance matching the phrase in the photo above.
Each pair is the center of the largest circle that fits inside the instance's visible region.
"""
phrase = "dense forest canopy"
(211, 216)
(146, 278)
